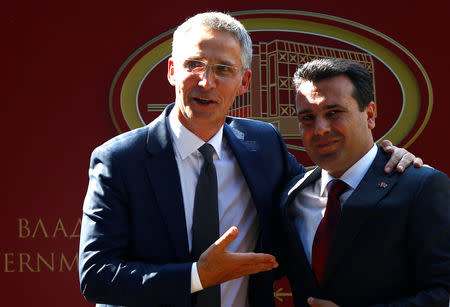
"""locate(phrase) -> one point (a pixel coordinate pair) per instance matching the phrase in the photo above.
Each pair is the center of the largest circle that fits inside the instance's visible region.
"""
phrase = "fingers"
(242, 264)
(417, 162)
(396, 156)
(217, 266)
(400, 158)
(387, 146)
(227, 238)
(239, 269)
(258, 260)
(406, 161)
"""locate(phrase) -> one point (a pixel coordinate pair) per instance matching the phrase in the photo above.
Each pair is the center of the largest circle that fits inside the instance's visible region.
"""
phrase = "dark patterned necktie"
(325, 231)
(205, 224)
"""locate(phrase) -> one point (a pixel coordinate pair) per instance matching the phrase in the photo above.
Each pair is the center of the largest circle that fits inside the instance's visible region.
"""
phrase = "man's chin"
(328, 161)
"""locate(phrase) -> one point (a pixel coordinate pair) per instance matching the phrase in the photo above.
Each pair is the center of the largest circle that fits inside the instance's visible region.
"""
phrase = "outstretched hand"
(400, 158)
(216, 265)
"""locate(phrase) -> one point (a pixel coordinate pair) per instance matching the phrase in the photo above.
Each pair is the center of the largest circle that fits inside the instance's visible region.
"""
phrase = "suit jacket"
(391, 246)
(133, 243)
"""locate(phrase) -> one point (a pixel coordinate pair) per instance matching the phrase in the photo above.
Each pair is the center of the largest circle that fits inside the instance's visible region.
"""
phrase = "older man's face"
(335, 132)
(203, 100)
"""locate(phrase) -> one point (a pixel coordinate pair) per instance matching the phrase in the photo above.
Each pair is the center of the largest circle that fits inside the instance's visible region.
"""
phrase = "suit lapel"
(247, 155)
(296, 244)
(307, 179)
(164, 177)
(357, 209)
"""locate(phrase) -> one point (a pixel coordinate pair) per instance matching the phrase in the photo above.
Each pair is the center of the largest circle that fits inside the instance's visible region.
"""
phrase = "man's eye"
(193, 64)
(333, 112)
(223, 68)
(305, 118)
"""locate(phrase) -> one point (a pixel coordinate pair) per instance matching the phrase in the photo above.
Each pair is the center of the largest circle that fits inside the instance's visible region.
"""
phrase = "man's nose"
(207, 78)
(321, 126)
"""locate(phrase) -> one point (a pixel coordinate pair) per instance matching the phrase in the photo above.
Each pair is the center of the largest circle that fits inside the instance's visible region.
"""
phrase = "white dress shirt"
(235, 203)
(310, 203)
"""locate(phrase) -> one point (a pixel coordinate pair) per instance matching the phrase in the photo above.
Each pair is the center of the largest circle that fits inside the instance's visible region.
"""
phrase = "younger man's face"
(335, 132)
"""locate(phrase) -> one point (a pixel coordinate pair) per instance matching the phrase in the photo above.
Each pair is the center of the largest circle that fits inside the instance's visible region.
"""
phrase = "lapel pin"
(382, 185)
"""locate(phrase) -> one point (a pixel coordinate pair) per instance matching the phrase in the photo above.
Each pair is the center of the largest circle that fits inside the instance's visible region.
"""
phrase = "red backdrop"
(61, 59)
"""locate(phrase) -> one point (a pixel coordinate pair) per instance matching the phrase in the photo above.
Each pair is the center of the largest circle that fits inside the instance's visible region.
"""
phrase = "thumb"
(227, 238)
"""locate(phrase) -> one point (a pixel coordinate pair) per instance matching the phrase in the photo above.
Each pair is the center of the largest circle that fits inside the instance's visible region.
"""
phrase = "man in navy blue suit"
(354, 235)
(136, 234)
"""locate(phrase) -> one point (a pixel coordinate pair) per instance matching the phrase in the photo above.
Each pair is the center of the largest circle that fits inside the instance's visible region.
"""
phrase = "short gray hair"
(219, 22)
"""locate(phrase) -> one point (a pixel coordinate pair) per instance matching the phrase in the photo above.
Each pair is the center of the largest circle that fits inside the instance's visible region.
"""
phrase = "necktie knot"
(207, 151)
(336, 187)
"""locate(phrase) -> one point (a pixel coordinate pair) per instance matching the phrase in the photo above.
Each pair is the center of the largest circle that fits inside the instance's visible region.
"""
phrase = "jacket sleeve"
(108, 272)
(429, 244)
(292, 170)
(292, 167)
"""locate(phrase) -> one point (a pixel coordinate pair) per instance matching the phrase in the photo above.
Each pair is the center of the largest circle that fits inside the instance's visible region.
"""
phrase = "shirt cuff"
(196, 284)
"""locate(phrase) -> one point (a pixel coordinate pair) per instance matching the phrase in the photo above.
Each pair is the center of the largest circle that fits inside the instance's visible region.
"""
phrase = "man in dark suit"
(372, 238)
(139, 242)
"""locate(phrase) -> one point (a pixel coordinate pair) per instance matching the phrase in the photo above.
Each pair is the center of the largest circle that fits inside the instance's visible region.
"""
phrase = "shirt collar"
(354, 174)
(185, 142)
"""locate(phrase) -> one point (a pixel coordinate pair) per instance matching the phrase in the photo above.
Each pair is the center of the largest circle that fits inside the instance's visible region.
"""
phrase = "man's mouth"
(326, 145)
(203, 101)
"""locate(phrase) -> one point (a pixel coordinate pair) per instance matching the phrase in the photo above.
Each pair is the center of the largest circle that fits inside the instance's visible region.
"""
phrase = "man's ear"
(171, 72)
(245, 83)
(371, 112)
